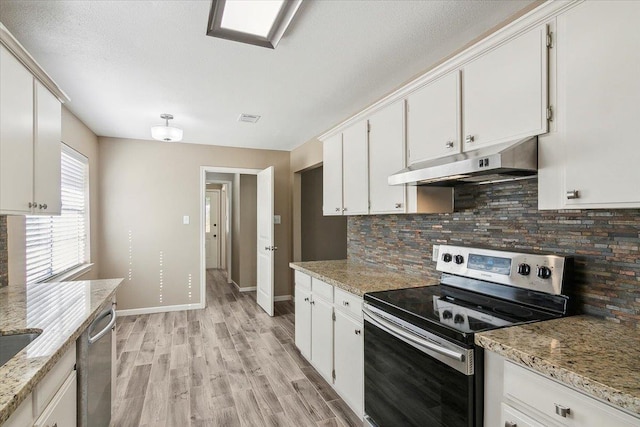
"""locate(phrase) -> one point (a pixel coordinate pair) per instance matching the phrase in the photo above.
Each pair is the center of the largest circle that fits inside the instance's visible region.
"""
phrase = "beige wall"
(306, 156)
(79, 137)
(146, 187)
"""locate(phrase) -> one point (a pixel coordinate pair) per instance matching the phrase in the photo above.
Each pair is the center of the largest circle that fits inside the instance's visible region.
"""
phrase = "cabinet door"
(433, 120)
(349, 361)
(332, 176)
(598, 58)
(303, 321)
(514, 418)
(505, 91)
(47, 152)
(62, 411)
(386, 157)
(322, 337)
(16, 135)
(355, 173)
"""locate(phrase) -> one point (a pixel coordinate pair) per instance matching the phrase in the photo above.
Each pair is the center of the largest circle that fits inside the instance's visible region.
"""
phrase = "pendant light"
(165, 132)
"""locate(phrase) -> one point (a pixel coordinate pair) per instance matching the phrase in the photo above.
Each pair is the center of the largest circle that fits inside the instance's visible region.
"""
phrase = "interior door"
(266, 248)
(212, 228)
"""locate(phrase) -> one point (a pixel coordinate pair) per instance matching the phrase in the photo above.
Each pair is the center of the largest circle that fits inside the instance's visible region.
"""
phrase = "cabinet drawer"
(322, 290)
(348, 302)
(303, 280)
(512, 417)
(61, 411)
(542, 395)
(47, 388)
(23, 416)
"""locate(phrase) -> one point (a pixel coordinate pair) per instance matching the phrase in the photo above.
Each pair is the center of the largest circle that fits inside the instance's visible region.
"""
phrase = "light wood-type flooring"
(227, 365)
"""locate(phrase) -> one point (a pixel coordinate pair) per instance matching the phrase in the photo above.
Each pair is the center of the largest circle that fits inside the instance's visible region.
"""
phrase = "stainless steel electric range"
(421, 365)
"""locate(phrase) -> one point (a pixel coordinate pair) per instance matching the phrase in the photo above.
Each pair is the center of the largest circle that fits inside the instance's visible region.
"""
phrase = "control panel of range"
(530, 271)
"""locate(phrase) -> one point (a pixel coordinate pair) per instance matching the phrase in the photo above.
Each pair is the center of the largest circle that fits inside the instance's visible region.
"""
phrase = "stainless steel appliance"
(510, 160)
(421, 365)
(94, 370)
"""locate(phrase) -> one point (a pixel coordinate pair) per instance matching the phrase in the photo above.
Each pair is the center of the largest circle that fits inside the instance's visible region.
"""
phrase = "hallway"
(227, 365)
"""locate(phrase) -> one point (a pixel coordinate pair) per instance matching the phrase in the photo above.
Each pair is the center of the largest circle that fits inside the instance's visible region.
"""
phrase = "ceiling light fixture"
(257, 22)
(165, 132)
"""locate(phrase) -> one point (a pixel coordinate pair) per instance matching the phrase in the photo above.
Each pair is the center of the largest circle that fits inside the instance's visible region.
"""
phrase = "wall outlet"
(435, 253)
(277, 219)
(185, 219)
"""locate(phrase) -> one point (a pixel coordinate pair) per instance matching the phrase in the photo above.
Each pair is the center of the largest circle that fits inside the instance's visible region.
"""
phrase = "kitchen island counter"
(598, 357)
(359, 278)
(61, 312)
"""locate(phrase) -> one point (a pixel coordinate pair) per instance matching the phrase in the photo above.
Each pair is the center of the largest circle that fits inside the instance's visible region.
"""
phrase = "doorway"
(231, 243)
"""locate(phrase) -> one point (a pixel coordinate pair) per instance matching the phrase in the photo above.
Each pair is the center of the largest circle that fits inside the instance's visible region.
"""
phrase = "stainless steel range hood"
(500, 162)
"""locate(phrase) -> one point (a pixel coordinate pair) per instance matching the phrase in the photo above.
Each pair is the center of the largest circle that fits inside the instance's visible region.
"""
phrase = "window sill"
(71, 274)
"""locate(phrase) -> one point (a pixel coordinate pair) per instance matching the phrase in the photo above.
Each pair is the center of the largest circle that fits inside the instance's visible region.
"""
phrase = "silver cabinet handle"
(469, 139)
(345, 303)
(312, 302)
(344, 209)
(510, 424)
(398, 205)
(43, 206)
(33, 205)
(358, 331)
(573, 194)
(563, 411)
(337, 209)
(307, 299)
(448, 144)
(267, 248)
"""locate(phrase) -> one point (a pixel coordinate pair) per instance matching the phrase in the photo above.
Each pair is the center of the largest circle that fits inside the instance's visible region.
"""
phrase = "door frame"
(219, 262)
(203, 189)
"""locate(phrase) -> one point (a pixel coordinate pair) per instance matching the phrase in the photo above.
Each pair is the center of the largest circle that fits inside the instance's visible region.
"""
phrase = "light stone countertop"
(359, 278)
(62, 311)
(595, 356)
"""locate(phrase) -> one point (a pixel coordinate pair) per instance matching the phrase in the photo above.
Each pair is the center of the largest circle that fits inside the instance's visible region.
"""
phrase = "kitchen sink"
(10, 345)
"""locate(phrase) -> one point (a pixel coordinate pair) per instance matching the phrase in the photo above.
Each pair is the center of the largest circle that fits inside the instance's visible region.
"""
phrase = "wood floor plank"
(229, 364)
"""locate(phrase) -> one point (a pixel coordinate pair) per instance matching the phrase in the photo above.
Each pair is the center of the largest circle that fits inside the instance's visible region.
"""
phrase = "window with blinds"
(58, 244)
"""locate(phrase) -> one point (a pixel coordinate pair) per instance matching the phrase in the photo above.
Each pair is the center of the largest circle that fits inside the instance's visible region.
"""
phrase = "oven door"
(413, 377)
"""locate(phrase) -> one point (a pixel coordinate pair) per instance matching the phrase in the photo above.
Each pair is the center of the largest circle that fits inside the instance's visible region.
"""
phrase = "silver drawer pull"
(469, 139)
(307, 299)
(345, 303)
(510, 424)
(563, 411)
(573, 194)
(358, 331)
(449, 144)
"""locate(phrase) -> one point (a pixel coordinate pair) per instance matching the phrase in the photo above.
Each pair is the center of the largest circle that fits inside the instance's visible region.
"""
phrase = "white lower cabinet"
(519, 397)
(61, 411)
(23, 416)
(329, 333)
(349, 360)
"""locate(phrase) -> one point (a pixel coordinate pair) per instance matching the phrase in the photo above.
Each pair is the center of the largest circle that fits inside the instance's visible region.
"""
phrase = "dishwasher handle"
(105, 331)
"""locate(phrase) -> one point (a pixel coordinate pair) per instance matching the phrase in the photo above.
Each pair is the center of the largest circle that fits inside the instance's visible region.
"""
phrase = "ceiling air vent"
(249, 118)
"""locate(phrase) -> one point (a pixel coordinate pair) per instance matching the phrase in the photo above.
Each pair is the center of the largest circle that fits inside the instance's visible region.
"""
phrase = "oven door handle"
(400, 333)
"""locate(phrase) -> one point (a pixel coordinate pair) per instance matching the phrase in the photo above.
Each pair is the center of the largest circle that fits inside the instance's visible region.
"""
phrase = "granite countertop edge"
(565, 376)
(21, 390)
(352, 289)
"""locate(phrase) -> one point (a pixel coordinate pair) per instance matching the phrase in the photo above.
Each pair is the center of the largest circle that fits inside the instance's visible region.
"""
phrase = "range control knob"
(544, 272)
(459, 259)
(447, 257)
(459, 318)
(447, 314)
(524, 269)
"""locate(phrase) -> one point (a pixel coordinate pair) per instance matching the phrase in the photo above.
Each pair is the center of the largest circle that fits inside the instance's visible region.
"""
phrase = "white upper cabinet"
(504, 91)
(433, 119)
(591, 161)
(355, 158)
(386, 157)
(332, 175)
(46, 176)
(16, 136)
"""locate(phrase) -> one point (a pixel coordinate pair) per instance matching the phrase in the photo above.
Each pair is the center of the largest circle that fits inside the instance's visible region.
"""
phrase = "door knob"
(274, 248)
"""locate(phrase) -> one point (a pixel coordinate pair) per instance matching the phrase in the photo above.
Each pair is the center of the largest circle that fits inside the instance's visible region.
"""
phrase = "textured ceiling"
(123, 63)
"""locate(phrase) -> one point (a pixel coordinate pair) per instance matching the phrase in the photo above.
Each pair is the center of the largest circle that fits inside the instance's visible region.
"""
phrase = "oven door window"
(406, 387)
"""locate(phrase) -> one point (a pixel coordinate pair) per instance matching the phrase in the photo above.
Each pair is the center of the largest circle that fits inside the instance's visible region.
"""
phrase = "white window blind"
(58, 244)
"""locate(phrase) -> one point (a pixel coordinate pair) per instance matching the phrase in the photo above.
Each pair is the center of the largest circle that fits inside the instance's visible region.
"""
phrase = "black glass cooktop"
(452, 312)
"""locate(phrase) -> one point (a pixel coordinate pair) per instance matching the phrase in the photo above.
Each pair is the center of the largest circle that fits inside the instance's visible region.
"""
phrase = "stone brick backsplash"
(4, 253)
(604, 243)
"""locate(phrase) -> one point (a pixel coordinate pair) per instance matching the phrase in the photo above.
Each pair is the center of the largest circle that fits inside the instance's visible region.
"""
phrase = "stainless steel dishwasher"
(95, 370)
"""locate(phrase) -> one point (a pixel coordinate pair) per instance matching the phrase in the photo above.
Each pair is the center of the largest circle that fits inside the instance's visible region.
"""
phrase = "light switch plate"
(185, 219)
(436, 251)
(277, 219)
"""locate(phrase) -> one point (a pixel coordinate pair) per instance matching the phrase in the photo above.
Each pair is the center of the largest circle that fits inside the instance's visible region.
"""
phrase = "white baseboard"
(282, 298)
(246, 289)
(161, 309)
